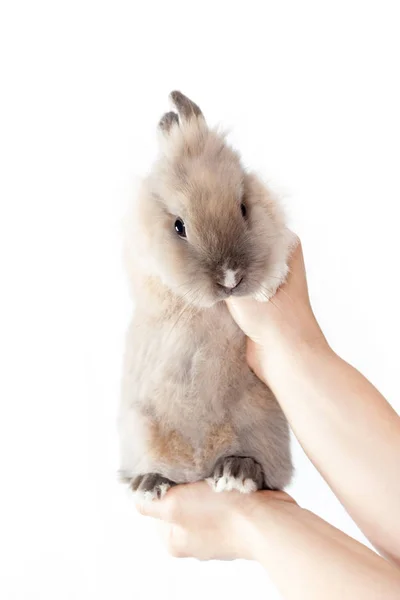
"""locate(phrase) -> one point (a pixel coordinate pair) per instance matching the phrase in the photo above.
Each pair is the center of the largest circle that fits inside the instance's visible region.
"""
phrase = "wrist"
(295, 330)
(282, 363)
(291, 343)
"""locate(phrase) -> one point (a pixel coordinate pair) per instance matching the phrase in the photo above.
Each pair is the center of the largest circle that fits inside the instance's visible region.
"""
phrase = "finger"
(279, 495)
(237, 306)
(254, 357)
(296, 253)
(248, 314)
(294, 244)
(297, 270)
(169, 508)
(151, 508)
(174, 539)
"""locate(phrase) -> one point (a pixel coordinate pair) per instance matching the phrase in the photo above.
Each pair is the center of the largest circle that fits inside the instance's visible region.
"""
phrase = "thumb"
(249, 314)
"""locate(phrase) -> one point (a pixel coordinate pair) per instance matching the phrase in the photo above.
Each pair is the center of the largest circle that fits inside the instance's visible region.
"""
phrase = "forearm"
(350, 433)
(309, 559)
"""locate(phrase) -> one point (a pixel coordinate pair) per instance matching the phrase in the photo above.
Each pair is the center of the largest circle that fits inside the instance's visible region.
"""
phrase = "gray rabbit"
(202, 229)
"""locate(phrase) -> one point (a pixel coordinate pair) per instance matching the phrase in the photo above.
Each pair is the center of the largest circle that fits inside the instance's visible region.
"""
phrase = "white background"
(311, 93)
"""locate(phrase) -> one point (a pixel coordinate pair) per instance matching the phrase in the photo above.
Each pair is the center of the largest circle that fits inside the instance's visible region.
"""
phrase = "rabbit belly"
(150, 446)
(189, 399)
(255, 427)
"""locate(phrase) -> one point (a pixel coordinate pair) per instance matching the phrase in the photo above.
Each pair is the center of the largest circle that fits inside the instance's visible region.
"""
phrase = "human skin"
(349, 432)
(346, 427)
(305, 557)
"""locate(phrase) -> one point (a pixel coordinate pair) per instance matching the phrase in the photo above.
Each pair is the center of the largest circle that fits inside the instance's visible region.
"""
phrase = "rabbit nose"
(230, 279)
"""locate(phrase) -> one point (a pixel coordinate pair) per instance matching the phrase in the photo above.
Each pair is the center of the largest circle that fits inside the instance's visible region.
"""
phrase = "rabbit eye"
(243, 209)
(180, 228)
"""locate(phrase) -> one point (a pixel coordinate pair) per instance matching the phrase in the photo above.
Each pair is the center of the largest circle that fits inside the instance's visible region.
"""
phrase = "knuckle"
(175, 552)
(176, 543)
(141, 508)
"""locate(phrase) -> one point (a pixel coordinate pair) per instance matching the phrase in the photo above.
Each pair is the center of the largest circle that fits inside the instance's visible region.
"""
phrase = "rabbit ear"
(190, 125)
(185, 107)
(187, 110)
(169, 120)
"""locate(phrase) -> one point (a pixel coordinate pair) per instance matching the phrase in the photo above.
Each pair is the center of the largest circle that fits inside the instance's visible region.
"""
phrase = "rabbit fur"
(191, 408)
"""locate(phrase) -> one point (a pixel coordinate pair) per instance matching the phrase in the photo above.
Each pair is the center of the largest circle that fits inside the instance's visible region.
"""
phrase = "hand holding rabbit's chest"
(202, 230)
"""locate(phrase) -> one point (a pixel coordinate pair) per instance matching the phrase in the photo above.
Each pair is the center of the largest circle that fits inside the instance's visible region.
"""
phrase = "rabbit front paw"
(151, 486)
(237, 473)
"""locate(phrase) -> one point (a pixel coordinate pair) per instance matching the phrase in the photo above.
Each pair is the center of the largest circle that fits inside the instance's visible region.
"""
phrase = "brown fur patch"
(218, 440)
(170, 446)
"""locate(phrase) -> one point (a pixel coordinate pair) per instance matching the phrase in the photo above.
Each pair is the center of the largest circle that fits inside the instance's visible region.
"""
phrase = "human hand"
(286, 322)
(198, 522)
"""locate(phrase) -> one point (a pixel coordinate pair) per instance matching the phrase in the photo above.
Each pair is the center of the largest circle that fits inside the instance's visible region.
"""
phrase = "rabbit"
(202, 230)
